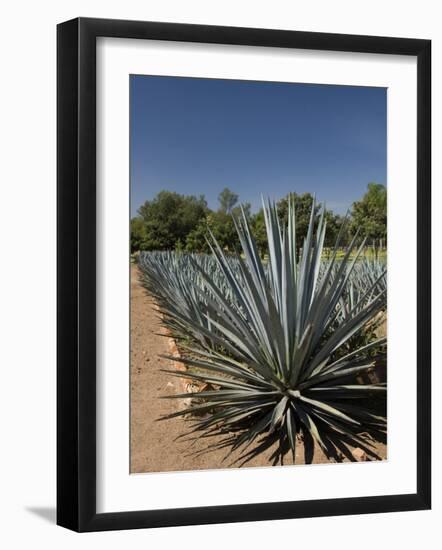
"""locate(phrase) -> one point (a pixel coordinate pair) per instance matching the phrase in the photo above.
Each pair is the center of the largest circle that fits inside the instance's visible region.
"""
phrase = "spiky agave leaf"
(273, 348)
(175, 281)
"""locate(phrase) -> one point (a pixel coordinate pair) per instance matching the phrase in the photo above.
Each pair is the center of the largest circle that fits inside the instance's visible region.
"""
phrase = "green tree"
(196, 240)
(169, 218)
(303, 207)
(222, 226)
(334, 224)
(227, 200)
(369, 215)
(137, 234)
(258, 226)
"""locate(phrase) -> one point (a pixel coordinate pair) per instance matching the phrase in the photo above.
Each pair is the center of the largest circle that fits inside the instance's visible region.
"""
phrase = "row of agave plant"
(279, 342)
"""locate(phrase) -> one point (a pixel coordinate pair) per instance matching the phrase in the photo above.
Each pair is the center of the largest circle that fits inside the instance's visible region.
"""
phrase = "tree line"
(172, 221)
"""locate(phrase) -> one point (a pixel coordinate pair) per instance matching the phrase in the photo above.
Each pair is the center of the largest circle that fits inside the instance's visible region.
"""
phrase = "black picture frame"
(76, 274)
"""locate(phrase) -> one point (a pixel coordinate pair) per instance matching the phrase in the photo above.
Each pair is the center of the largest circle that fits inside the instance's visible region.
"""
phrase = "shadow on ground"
(47, 513)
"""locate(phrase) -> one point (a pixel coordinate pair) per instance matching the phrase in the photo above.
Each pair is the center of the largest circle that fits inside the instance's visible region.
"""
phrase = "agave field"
(279, 345)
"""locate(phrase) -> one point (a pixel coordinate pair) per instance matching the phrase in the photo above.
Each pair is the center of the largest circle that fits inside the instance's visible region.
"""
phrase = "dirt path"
(153, 448)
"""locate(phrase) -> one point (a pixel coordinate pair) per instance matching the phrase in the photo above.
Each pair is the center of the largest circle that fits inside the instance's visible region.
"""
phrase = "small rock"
(359, 454)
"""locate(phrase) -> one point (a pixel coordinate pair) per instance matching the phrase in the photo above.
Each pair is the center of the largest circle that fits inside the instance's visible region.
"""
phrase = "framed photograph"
(243, 274)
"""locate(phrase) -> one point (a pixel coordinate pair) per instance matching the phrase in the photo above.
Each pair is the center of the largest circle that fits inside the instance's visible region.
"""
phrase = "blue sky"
(197, 136)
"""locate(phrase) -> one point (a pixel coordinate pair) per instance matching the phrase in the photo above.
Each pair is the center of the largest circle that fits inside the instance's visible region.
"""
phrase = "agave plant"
(368, 278)
(175, 281)
(272, 352)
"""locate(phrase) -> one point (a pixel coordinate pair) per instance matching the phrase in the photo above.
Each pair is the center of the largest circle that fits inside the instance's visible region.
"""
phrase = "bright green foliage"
(171, 221)
(258, 226)
(303, 205)
(369, 215)
(222, 226)
(169, 218)
(336, 225)
(272, 339)
(137, 234)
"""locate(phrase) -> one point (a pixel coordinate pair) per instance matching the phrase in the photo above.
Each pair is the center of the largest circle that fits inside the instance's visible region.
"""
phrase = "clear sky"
(197, 136)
